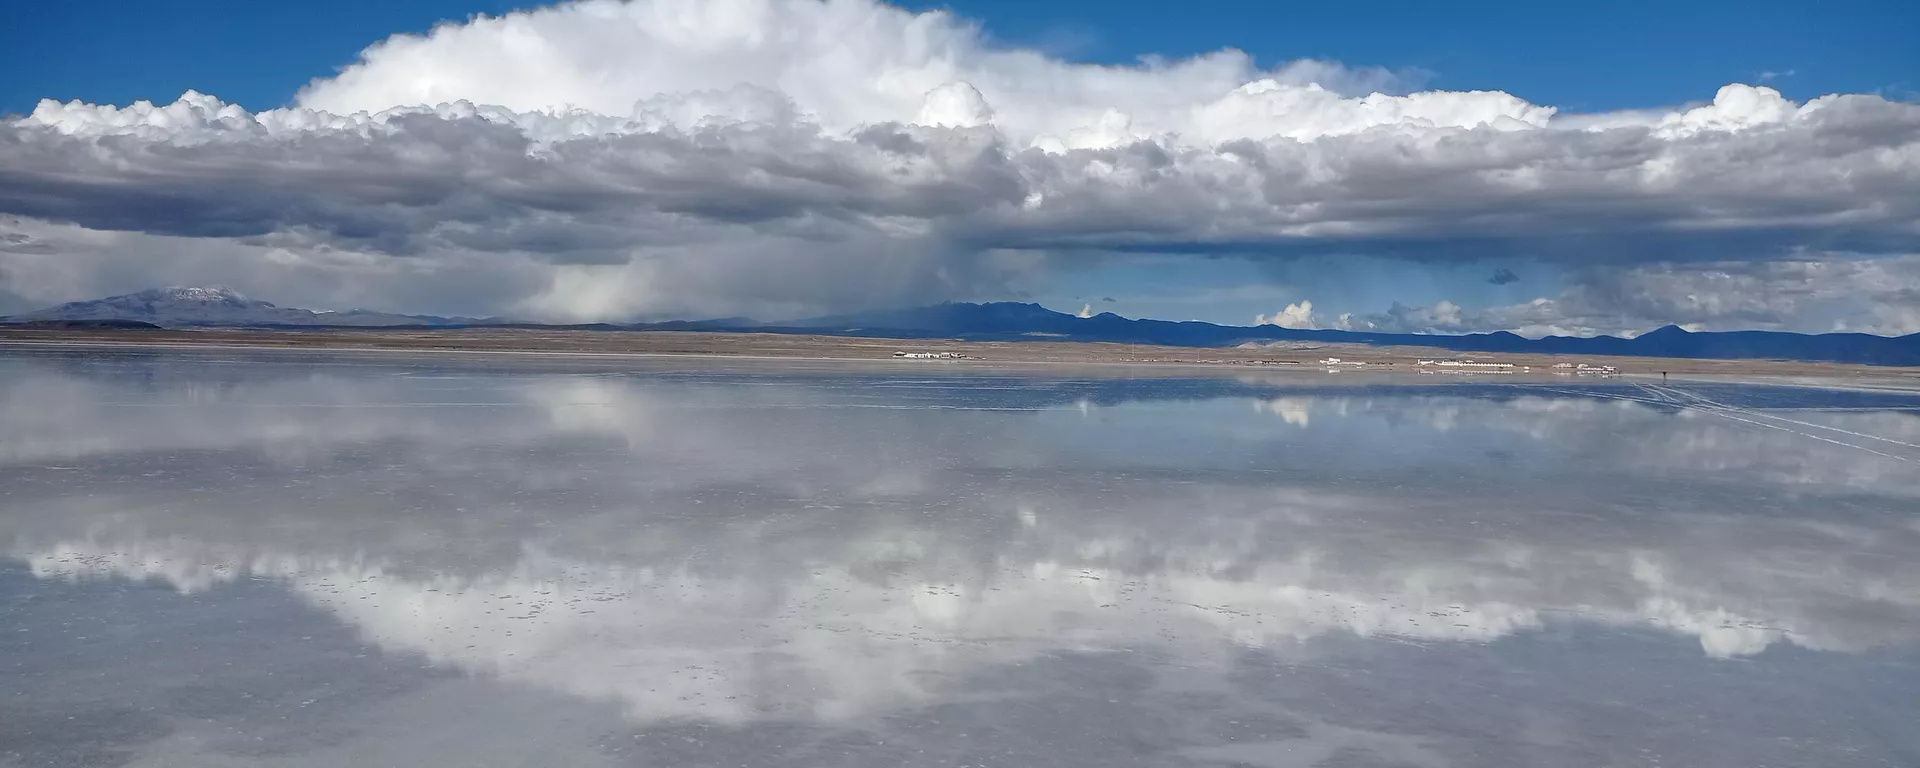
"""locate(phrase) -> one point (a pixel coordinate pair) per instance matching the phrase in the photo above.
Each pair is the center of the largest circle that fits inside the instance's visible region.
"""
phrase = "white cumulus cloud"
(1298, 315)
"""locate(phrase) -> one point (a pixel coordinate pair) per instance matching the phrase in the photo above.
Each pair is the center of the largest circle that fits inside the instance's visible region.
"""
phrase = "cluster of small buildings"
(1468, 364)
(929, 355)
(1333, 362)
(1584, 369)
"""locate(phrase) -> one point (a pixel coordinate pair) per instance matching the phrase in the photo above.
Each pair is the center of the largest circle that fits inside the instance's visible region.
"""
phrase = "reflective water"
(252, 559)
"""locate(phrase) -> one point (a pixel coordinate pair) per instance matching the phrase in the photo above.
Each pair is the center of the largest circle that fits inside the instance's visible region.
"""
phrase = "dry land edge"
(1280, 355)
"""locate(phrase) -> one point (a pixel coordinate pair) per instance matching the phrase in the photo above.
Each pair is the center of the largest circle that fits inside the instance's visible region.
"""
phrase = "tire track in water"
(1672, 396)
(1710, 404)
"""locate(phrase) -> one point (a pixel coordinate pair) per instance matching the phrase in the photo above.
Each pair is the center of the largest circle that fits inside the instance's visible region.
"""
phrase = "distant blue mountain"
(1002, 321)
(183, 306)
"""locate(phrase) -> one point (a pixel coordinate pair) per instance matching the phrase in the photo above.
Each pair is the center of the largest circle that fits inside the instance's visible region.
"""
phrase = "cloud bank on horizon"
(606, 160)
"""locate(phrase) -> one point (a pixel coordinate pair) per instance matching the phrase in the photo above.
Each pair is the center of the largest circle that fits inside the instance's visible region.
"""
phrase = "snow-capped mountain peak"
(208, 294)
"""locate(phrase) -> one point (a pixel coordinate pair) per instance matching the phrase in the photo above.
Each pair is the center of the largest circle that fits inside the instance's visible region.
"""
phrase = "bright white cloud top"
(609, 159)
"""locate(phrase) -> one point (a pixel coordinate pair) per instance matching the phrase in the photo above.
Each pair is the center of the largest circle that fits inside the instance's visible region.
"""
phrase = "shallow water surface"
(255, 559)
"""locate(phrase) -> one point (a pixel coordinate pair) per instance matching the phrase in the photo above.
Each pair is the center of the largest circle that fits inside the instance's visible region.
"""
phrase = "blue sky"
(1579, 56)
(1682, 248)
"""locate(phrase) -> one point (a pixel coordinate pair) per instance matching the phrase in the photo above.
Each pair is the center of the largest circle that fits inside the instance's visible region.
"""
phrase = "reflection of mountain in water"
(737, 548)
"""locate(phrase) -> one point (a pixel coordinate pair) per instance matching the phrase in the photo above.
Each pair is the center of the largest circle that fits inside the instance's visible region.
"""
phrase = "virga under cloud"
(610, 159)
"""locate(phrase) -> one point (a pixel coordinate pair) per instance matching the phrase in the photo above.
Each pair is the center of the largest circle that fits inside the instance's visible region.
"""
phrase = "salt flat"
(227, 557)
(579, 343)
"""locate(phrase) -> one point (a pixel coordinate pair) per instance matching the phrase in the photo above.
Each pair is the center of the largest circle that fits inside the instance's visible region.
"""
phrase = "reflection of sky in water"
(794, 556)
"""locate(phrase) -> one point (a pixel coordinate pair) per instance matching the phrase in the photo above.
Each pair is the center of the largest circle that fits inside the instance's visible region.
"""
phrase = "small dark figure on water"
(1663, 377)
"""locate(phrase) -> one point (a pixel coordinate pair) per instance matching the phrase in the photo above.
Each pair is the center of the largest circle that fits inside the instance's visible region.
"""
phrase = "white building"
(1467, 364)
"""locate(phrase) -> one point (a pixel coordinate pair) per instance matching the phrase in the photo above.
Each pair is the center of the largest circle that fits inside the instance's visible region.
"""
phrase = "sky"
(1404, 166)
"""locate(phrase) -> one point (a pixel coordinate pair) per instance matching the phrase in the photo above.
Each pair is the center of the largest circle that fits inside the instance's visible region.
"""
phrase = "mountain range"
(197, 306)
(1011, 321)
(1007, 321)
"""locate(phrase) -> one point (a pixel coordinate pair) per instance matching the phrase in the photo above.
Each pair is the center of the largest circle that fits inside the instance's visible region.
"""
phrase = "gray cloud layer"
(766, 188)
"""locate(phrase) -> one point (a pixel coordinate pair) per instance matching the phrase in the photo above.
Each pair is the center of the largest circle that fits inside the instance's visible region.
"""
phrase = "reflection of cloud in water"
(830, 645)
(1292, 410)
(775, 549)
(880, 620)
(56, 414)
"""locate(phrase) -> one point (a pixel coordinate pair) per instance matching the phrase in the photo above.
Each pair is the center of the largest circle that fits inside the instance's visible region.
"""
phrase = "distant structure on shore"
(1469, 364)
(930, 355)
(1569, 369)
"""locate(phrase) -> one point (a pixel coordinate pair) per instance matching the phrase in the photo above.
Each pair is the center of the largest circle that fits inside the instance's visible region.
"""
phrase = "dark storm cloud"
(423, 180)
